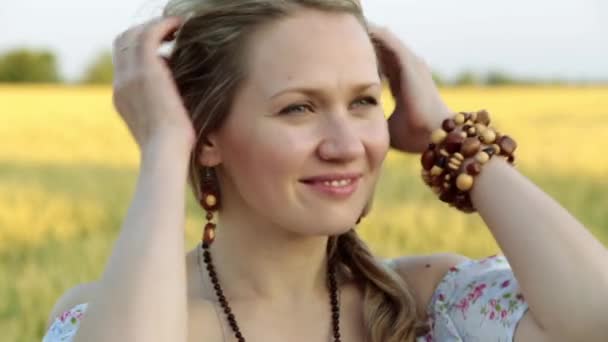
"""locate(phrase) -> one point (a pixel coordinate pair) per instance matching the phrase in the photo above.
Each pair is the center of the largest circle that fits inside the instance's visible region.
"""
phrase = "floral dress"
(476, 301)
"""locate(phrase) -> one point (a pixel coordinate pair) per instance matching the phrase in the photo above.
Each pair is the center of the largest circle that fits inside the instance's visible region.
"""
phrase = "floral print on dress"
(476, 301)
(65, 326)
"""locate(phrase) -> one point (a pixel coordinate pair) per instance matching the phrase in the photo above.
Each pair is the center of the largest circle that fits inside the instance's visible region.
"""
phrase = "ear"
(209, 153)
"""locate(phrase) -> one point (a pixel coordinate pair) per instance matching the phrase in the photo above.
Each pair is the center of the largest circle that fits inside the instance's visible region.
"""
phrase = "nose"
(341, 141)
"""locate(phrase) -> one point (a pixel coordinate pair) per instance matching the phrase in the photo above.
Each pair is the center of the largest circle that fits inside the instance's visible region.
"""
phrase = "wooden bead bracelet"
(457, 153)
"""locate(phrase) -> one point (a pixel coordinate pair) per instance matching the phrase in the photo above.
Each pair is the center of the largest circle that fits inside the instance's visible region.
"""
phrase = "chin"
(327, 227)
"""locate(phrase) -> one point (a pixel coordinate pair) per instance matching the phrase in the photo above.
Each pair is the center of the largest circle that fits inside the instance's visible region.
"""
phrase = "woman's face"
(304, 141)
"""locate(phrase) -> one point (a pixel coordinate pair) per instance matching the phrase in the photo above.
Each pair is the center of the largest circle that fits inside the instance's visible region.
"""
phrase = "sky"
(565, 39)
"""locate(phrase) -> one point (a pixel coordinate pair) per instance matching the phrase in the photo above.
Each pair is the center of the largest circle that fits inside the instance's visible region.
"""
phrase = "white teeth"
(337, 183)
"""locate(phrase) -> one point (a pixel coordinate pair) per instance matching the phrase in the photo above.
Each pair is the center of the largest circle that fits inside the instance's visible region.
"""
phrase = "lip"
(317, 183)
(332, 176)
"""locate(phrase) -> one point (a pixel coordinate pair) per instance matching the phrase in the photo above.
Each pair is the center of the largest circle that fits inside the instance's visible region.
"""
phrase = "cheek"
(376, 139)
(259, 156)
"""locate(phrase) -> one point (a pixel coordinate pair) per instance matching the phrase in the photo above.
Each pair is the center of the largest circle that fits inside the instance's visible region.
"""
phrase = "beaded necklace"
(333, 296)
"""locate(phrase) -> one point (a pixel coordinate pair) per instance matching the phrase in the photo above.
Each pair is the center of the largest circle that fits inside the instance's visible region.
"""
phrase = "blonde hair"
(209, 63)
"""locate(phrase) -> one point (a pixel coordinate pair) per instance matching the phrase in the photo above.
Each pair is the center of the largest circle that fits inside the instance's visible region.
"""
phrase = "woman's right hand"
(145, 94)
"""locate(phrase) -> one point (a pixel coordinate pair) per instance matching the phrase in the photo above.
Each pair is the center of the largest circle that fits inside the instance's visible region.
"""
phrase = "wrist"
(458, 152)
(167, 145)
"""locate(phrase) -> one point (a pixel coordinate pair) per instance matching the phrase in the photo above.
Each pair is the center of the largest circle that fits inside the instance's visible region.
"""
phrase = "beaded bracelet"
(457, 153)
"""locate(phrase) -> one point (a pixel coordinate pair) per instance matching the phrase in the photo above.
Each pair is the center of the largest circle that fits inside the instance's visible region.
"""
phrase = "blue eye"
(366, 101)
(296, 108)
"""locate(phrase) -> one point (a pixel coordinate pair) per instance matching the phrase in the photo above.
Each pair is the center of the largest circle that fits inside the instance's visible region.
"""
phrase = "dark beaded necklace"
(333, 290)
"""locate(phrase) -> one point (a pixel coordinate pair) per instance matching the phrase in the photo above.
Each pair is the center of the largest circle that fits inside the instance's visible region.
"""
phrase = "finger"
(129, 37)
(171, 35)
(138, 44)
(123, 46)
(390, 41)
(158, 32)
(389, 61)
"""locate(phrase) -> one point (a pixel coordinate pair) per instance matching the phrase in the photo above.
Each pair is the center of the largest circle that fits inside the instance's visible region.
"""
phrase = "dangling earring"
(211, 203)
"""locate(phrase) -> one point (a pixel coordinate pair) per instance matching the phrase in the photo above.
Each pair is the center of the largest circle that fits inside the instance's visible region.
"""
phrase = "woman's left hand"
(419, 108)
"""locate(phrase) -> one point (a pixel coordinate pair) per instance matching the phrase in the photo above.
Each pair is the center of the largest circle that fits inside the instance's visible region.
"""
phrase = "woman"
(270, 108)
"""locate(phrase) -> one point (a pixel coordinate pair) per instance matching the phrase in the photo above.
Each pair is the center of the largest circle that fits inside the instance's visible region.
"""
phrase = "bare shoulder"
(424, 272)
(78, 294)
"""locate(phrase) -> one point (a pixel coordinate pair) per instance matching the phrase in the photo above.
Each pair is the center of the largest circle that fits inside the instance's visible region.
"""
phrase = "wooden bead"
(507, 145)
(453, 166)
(444, 153)
(458, 156)
(487, 136)
(480, 127)
(437, 180)
(483, 117)
(438, 136)
(453, 142)
(470, 147)
(482, 157)
(460, 200)
(426, 177)
(447, 196)
(448, 125)
(209, 201)
(473, 116)
(464, 182)
(209, 234)
(474, 168)
(489, 150)
(459, 119)
(441, 161)
(436, 170)
(455, 161)
(471, 132)
(496, 148)
(428, 159)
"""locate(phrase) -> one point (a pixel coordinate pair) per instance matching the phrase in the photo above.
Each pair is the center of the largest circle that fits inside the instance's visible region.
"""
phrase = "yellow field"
(68, 167)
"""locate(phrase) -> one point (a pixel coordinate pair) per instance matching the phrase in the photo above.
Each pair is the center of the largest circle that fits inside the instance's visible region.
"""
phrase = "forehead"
(311, 47)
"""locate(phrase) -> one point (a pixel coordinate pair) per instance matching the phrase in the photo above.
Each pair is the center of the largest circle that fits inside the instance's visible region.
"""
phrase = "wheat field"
(68, 168)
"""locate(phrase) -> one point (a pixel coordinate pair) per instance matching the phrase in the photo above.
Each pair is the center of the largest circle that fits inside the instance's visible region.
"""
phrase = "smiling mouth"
(337, 183)
(334, 186)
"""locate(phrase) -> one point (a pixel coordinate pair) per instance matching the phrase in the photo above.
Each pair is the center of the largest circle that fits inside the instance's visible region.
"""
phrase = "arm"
(142, 293)
(144, 283)
(560, 266)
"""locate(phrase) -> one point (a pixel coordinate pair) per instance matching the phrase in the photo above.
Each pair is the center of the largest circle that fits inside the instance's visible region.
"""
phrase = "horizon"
(551, 40)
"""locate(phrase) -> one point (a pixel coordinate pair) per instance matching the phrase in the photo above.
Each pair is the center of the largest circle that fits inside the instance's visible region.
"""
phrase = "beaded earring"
(210, 201)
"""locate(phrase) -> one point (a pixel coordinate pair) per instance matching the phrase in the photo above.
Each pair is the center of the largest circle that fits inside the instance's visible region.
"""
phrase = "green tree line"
(26, 65)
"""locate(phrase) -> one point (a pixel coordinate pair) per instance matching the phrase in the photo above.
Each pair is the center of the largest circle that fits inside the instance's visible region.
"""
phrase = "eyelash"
(369, 101)
(294, 108)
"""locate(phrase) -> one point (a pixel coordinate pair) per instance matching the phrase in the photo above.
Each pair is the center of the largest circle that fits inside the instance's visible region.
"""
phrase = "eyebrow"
(315, 92)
